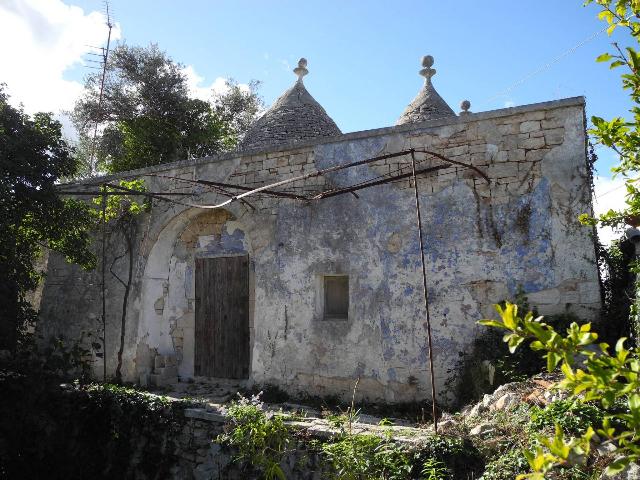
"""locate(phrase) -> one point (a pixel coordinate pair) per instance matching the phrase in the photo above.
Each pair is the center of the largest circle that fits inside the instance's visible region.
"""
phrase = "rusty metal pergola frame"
(288, 190)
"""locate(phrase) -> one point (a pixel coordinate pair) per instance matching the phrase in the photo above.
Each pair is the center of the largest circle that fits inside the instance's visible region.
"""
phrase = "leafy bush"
(355, 457)
(97, 431)
(434, 470)
(488, 351)
(593, 373)
(573, 416)
(506, 466)
(261, 438)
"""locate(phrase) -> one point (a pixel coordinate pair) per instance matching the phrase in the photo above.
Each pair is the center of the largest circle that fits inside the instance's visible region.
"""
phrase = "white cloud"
(285, 64)
(202, 91)
(509, 104)
(609, 195)
(41, 40)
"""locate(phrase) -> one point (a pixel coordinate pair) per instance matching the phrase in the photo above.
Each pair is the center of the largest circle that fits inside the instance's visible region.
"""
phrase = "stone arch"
(167, 311)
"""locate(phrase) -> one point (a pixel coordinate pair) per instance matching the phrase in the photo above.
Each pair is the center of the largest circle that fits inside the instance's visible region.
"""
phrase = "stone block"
(202, 414)
(506, 169)
(480, 148)
(535, 155)
(167, 372)
(529, 126)
(508, 129)
(544, 297)
(553, 122)
(554, 136)
(455, 151)
(589, 292)
(502, 156)
(532, 143)
(158, 362)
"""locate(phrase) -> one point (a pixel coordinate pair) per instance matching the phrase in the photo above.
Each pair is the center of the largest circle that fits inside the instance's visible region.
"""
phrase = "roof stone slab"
(428, 104)
(296, 116)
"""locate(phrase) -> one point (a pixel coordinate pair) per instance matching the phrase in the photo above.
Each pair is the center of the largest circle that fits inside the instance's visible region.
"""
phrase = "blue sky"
(363, 55)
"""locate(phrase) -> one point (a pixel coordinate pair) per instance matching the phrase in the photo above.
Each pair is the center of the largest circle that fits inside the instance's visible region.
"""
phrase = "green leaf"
(617, 466)
(492, 323)
(604, 57)
(552, 361)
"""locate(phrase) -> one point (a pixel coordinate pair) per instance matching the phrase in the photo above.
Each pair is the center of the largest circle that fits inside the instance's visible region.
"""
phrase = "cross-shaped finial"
(427, 72)
(301, 70)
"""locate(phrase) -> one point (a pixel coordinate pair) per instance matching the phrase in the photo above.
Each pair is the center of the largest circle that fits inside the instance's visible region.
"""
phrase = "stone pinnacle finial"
(427, 72)
(465, 105)
(301, 70)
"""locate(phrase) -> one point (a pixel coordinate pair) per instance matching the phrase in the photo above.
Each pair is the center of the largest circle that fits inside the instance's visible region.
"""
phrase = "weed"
(574, 417)
(506, 466)
(260, 438)
(434, 470)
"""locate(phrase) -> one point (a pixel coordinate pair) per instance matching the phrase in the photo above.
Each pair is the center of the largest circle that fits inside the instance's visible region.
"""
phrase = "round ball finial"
(427, 72)
(301, 69)
(465, 105)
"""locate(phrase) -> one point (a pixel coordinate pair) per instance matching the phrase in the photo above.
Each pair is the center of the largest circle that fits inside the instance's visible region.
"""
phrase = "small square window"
(336, 297)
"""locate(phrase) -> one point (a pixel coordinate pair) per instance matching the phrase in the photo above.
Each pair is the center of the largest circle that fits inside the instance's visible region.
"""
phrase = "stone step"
(166, 372)
(158, 380)
(161, 361)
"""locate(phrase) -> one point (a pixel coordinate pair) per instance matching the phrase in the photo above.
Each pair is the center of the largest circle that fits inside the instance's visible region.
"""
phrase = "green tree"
(620, 134)
(33, 156)
(146, 116)
(590, 372)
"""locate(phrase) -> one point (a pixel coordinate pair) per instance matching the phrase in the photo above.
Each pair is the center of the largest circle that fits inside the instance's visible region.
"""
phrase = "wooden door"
(222, 317)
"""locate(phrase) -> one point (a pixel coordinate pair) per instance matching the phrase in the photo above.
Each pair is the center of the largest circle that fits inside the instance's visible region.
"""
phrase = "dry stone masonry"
(484, 242)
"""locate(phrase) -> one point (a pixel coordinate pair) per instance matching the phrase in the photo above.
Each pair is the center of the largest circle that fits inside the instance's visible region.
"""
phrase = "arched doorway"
(196, 297)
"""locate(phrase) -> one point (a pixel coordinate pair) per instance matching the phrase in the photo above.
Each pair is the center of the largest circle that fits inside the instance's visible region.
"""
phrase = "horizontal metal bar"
(231, 185)
(333, 193)
(98, 193)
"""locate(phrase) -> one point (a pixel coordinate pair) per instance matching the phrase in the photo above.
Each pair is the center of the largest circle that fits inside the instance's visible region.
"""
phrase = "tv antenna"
(105, 58)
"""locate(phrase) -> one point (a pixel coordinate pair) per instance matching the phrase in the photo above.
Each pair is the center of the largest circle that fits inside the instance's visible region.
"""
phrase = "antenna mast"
(105, 57)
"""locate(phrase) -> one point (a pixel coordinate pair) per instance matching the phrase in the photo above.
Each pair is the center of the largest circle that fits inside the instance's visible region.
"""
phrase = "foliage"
(506, 466)
(97, 431)
(574, 417)
(119, 210)
(434, 470)
(590, 371)
(618, 286)
(261, 438)
(622, 135)
(489, 363)
(237, 106)
(33, 157)
(355, 457)
(147, 116)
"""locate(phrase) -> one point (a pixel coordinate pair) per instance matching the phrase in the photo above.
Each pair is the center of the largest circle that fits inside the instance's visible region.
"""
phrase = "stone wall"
(484, 241)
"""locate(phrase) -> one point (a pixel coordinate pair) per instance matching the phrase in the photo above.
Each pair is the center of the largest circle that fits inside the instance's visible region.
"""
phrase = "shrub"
(574, 417)
(506, 467)
(261, 438)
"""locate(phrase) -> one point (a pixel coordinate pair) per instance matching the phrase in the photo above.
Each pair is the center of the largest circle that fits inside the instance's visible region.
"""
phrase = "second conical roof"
(428, 104)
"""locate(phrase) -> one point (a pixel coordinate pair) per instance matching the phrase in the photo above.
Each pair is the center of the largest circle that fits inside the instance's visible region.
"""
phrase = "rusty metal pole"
(104, 308)
(426, 295)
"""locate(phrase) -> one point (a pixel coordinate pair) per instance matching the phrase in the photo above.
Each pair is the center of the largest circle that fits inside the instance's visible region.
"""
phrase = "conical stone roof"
(294, 117)
(428, 104)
